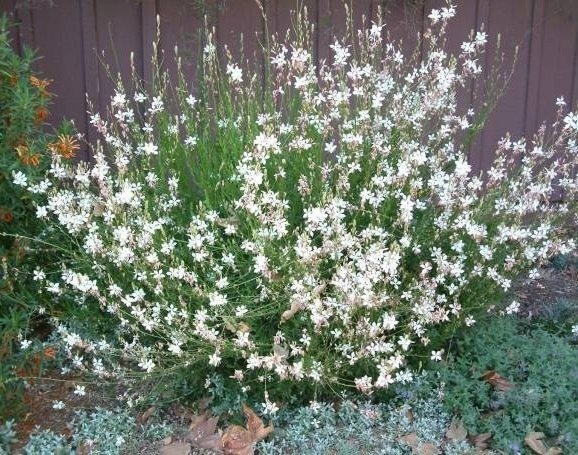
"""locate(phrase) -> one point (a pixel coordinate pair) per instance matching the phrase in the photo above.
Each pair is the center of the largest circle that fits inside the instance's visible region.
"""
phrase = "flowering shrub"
(24, 157)
(326, 231)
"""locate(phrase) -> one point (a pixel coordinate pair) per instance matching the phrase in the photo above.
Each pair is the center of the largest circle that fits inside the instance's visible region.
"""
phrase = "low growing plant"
(313, 230)
(541, 370)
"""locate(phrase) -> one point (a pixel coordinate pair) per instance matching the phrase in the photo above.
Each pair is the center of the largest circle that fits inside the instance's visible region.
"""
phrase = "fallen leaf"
(143, 418)
(85, 448)
(497, 381)
(456, 431)
(409, 415)
(203, 433)
(182, 412)
(49, 352)
(176, 448)
(480, 441)
(203, 404)
(553, 451)
(427, 449)
(244, 327)
(166, 441)
(255, 425)
(534, 441)
(237, 440)
(410, 439)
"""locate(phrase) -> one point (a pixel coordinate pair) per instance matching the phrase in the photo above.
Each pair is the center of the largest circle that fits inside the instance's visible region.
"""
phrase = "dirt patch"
(552, 294)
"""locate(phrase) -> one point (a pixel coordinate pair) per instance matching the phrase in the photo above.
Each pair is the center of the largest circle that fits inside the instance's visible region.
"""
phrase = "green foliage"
(102, 431)
(7, 436)
(46, 442)
(361, 427)
(542, 368)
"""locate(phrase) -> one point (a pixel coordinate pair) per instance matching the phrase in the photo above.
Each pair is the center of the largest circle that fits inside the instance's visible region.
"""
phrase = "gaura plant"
(319, 229)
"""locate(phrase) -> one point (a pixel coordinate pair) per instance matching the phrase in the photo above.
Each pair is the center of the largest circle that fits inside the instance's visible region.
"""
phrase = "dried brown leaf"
(410, 439)
(409, 415)
(255, 425)
(534, 441)
(237, 440)
(203, 433)
(480, 441)
(85, 448)
(145, 416)
(203, 403)
(426, 449)
(456, 431)
(176, 448)
(497, 381)
(554, 451)
(166, 441)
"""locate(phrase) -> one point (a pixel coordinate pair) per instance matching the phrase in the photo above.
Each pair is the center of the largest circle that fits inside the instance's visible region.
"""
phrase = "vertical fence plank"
(535, 62)
(119, 34)
(148, 26)
(182, 24)
(508, 114)
(556, 71)
(25, 30)
(91, 66)
(240, 29)
(56, 31)
(8, 7)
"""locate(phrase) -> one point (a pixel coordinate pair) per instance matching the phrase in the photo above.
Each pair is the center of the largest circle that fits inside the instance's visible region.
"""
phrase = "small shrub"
(46, 442)
(314, 231)
(25, 155)
(362, 427)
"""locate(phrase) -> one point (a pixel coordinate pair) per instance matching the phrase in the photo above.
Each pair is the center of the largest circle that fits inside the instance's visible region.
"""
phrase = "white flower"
(436, 356)
(150, 149)
(269, 407)
(575, 330)
(215, 359)
(571, 121)
(405, 341)
(19, 178)
(191, 100)
(435, 16)
(560, 102)
(235, 73)
(80, 390)
(58, 405)
(118, 100)
(241, 311)
(38, 275)
(191, 141)
(217, 299)
(25, 344)
(41, 211)
(147, 364)
(513, 307)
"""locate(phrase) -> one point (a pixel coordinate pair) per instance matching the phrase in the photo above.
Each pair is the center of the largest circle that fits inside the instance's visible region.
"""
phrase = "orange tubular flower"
(41, 85)
(26, 157)
(6, 216)
(41, 115)
(65, 146)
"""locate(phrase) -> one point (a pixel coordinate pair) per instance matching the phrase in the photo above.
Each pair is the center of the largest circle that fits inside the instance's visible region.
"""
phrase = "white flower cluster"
(352, 227)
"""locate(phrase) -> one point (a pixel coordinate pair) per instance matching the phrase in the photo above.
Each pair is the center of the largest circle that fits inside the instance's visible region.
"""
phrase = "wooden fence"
(74, 38)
